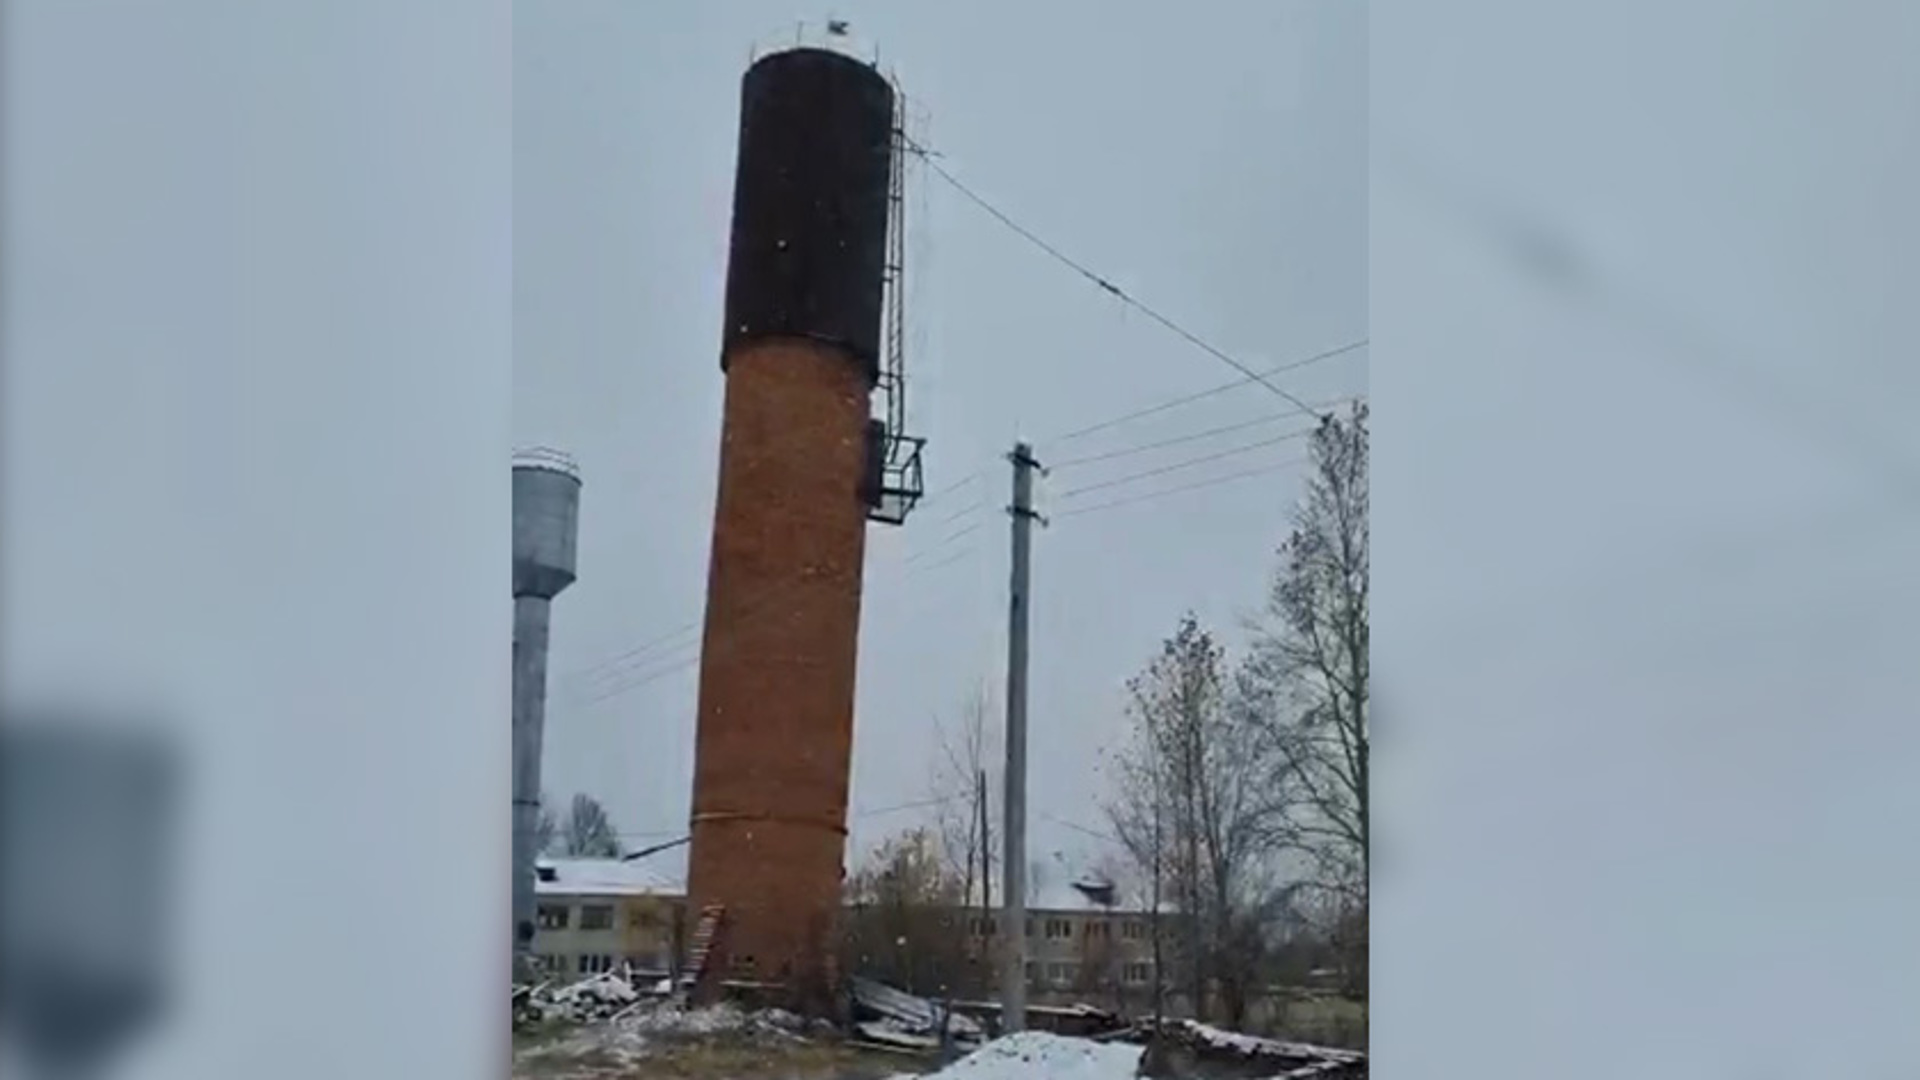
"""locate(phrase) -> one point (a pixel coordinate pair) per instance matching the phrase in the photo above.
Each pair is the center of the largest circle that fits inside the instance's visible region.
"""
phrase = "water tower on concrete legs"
(546, 518)
(812, 332)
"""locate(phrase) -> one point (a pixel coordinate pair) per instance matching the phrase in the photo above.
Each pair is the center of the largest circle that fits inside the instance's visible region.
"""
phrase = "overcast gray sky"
(1213, 165)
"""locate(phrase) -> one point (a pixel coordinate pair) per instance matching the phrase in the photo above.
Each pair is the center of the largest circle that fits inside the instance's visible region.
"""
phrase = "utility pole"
(986, 845)
(986, 876)
(1159, 993)
(1013, 957)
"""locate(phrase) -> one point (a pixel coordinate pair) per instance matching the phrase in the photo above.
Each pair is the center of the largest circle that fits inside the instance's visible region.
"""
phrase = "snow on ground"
(1254, 1044)
(634, 1037)
(1041, 1055)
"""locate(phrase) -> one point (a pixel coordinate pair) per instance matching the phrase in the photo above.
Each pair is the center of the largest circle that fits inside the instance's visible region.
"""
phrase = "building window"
(1033, 971)
(1132, 931)
(1059, 928)
(643, 918)
(595, 964)
(596, 917)
(1060, 973)
(1029, 927)
(983, 927)
(552, 964)
(1099, 928)
(1136, 973)
(554, 916)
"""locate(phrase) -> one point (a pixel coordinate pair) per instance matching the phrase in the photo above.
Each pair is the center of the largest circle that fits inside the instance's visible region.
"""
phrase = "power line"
(749, 616)
(637, 656)
(1125, 297)
(1178, 465)
(1128, 451)
(950, 488)
(917, 805)
(970, 508)
(1180, 489)
(950, 560)
(1212, 391)
(594, 672)
(878, 811)
(625, 663)
(1076, 827)
(958, 534)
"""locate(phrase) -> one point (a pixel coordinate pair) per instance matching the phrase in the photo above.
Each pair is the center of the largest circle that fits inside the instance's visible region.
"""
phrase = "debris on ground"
(1190, 1050)
(655, 1031)
(895, 1018)
(1176, 1050)
(599, 997)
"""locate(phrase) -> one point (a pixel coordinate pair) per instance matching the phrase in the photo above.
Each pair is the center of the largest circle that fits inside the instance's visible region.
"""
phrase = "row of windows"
(600, 917)
(595, 917)
(600, 963)
(1066, 974)
(597, 963)
(1131, 930)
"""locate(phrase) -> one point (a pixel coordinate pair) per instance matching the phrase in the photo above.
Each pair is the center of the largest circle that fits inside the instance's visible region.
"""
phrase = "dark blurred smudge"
(87, 824)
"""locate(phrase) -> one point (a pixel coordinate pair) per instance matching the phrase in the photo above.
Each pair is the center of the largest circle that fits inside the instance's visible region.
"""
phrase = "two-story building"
(595, 915)
(1086, 942)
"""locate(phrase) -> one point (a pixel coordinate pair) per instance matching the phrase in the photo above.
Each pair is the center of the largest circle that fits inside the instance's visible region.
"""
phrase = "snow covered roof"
(604, 877)
(1079, 896)
(1057, 885)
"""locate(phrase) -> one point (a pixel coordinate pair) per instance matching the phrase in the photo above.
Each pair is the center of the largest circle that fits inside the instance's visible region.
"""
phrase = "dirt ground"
(719, 1058)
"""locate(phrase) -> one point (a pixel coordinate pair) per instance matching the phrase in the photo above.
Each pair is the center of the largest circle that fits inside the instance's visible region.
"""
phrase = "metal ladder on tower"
(699, 951)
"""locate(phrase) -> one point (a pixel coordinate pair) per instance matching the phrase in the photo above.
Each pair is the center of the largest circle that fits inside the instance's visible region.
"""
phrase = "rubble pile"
(1189, 1050)
(600, 997)
(895, 1018)
(649, 1027)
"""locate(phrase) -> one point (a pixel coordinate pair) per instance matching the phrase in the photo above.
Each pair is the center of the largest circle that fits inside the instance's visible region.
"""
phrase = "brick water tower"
(811, 351)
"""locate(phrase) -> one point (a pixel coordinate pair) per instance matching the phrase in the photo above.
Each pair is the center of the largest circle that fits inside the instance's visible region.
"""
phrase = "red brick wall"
(775, 736)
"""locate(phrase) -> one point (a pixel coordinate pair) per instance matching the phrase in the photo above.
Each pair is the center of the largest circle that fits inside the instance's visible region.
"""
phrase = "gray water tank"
(546, 522)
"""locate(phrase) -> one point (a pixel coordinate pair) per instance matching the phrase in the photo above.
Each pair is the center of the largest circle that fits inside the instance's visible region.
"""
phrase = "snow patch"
(1041, 1055)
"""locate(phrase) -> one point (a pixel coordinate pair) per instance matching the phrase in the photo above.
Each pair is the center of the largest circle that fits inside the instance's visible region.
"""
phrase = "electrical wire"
(858, 815)
(1212, 391)
(749, 616)
(972, 507)
(1178, 465)
(637, 657)
(1084, 829)
(949, 560)
(1103, 283)
(958, 534)
(1128, 451)
(1215, 481)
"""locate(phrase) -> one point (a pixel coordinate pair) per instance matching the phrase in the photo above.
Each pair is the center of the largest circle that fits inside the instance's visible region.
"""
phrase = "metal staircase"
(895, 482)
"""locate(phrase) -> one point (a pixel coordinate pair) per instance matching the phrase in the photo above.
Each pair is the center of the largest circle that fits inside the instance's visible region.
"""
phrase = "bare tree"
(589, 832)
(1189, 811)
(1306, 687)
(965, 780)
(546, 828)
(905, 924)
